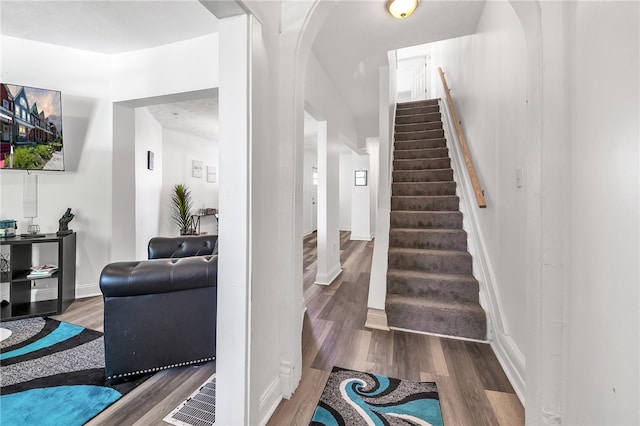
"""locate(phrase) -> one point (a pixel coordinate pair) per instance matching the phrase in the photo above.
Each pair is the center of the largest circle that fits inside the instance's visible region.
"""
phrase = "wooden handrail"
(463, 144)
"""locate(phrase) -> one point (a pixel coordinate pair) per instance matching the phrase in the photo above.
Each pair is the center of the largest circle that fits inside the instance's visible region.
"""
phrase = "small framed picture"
(150, 160)
(211, 174)
(361, 178)
(196, 169)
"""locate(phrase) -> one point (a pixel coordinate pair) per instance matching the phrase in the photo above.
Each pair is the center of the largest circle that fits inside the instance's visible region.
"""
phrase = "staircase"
(430, 286)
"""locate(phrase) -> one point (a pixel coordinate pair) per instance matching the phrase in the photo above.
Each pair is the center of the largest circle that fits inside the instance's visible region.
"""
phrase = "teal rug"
(355, 398)
(52, 373)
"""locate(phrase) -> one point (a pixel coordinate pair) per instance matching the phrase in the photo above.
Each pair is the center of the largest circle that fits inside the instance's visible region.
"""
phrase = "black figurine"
(64, 223)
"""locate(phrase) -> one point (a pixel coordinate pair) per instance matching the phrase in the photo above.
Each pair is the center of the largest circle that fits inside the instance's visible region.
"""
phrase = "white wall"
(487, 72)
(310, 196)
(346, 182)
(179, 150)
(148, 183)
(83, 79)
(603, 359)
(360, 200)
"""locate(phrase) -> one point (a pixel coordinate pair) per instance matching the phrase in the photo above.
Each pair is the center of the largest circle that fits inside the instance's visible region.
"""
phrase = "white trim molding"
(377, 319)
(327, 279)
(361, 237)
(87, 290)
(269, 401)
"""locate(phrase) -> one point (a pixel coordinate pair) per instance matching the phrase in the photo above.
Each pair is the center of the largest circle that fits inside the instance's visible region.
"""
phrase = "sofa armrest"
(184, 246)
(121, 279)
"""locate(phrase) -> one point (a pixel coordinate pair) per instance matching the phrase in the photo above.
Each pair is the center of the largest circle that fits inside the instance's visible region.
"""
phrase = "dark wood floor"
(473, 388)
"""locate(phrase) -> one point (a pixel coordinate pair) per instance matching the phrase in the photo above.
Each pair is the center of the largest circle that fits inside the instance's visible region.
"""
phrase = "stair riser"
(455, 240)
(455, 290)
(426, 220)
(419, 118)
(418, 127)
(442, 203)
(414, 104)
(412, 154)
(421, 144)
(422, 164)
(446, 263)
(412, 136)
(424, 188)
(444, 175)
(471, 325)
(417, 110)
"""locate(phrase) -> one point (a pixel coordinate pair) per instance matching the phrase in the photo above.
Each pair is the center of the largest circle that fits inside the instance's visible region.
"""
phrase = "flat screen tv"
(31, 132)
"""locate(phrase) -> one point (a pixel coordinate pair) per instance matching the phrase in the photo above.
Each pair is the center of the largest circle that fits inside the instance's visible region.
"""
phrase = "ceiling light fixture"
(401, 9)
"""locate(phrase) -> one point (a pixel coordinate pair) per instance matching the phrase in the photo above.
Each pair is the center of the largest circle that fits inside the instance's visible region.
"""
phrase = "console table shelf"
(20, 262)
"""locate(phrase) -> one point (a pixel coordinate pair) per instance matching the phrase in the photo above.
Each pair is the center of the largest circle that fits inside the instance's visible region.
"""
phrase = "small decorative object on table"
(64, 223)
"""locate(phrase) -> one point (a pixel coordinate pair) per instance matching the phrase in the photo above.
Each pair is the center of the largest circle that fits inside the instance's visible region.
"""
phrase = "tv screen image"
(31, 132)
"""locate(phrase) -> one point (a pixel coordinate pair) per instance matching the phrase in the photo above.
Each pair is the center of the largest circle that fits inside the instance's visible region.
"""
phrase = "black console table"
(20, 262)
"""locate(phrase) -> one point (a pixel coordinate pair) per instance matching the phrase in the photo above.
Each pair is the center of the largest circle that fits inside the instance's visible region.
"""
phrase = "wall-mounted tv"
(30, 128)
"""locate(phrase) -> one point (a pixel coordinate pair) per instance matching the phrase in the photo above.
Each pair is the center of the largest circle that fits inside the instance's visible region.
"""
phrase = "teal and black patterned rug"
(355, 398)
(52, 373)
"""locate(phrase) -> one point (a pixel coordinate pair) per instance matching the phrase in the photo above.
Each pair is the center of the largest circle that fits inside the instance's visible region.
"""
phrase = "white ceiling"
(197, 117)
(351, 45)
(106, 26)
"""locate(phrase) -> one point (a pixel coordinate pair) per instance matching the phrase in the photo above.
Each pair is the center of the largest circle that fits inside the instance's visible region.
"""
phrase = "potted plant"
(181, 204)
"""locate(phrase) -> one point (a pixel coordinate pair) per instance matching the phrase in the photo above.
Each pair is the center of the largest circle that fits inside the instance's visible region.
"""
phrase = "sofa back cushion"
(183, 246)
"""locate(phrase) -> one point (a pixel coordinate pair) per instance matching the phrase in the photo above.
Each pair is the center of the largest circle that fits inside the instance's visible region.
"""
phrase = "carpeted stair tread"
(418, 118)
(430, 283)
(424, 188)
(425, 203)
(422, 163)
(425, 134)
(411, 154)
(419, 144)
(432, 175)
(417, 127)
(455, 287)
(443, 261)
(430, 239)
(414, 110)
(434, 316)
(419, 103)
(431, 220)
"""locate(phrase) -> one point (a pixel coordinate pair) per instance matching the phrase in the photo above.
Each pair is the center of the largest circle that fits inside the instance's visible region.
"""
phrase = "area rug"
(52, 373)
(356, 398)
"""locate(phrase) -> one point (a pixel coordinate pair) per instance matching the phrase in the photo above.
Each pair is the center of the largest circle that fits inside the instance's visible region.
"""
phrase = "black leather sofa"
(161, 313)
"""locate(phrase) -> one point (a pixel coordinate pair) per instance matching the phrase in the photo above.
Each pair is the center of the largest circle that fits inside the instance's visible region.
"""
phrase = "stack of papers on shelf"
(42, 271)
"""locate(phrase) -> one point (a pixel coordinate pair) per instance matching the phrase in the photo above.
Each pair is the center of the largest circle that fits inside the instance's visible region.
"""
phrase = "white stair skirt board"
(327, 279)
(199, 409)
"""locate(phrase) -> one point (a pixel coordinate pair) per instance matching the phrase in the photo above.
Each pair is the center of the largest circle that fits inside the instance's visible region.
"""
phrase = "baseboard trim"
(269, 401)
(327, 279)
(512, 362)
(290, 376)
(377, 319)
(87, 290)
(361, 237)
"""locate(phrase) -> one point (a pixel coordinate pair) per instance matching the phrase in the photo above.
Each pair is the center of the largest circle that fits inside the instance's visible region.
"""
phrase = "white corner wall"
(310, 195)
(83, 79)
(148, 183)
(346, 178)
(360, 200)
(179, 151)
(603, 358)
(486, 73)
